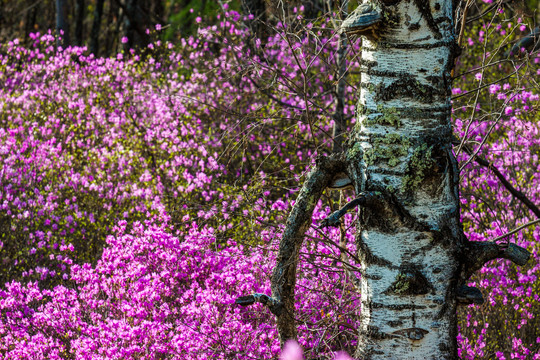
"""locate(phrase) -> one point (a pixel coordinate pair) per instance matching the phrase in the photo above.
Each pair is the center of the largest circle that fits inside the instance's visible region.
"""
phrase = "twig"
(516, 230)
(516, 193)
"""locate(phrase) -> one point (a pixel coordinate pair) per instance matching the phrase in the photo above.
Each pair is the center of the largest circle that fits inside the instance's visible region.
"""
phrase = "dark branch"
(273, 304)
(467, 295)
(484, 13)
(478, 253)
(516, 193)
(334, 218)
(266, 92)
(516, 230)
(530, 43)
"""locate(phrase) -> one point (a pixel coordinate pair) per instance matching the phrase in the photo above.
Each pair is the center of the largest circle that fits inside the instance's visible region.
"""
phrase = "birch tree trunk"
(409, 242)
(415, 259)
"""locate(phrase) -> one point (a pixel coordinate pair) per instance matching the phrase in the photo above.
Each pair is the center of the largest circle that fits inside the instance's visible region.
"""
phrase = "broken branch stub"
(333, 219)
(364, 20)
(478, 253)
(273, 304)
(467, 295)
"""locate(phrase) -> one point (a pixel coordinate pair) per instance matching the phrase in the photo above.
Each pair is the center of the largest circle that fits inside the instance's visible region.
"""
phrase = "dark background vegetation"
(100, 24)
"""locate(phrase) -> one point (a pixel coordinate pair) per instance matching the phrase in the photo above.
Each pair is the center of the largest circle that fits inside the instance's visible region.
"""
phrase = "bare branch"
(478, 253)
(333, 219)
(281, 303)
(264, 299)
(516, 230)
(515, 193)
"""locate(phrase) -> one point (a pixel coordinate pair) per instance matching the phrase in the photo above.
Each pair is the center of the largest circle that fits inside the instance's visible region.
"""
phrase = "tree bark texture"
(410, 242)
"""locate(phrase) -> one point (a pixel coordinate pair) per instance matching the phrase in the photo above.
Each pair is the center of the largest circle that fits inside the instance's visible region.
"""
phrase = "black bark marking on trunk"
(438, 44)
(396, 210)
(440, 113)
(413, 333)
(410, 281)
(385, 73)
(368, 63)
(374, 333)
(425, 10)
(398, 307)
(408, 87)
(390, 2)
(395, 323)
(368, 258)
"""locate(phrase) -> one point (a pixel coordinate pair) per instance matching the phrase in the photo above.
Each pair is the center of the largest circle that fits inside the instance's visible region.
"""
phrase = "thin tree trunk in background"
(258, 25)
(29, 23)
(115, 21)
(96, 25)
(341, 77)
(135, 26)
(117, 28)
(62, 22)
(79, 21)
(157, 9)
(130, 24)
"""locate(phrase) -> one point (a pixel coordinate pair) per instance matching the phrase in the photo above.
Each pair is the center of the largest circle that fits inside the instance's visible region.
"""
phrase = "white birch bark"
(402, 147)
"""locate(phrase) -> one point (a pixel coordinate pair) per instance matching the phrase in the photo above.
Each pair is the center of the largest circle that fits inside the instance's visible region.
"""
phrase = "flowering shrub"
(152, 295)
(97, 146)
(140, 196)
(501, 126)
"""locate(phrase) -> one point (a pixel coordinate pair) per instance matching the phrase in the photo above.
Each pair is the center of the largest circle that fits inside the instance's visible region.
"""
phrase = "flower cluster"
(501, 127)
